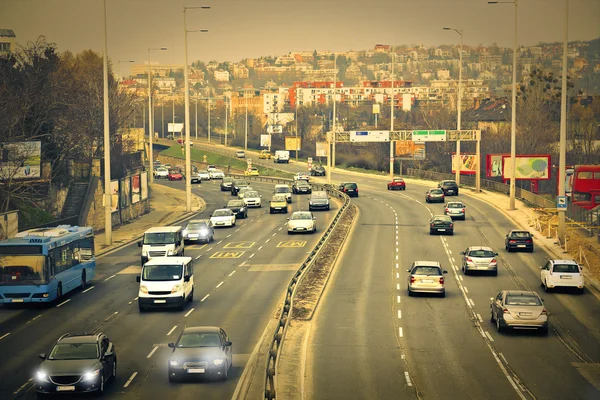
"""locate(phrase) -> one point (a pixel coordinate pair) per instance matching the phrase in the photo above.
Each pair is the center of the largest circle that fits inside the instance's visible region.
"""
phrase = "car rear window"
(522, 300)
(425, 270)
(520, 234)
(481, 253)
(436, 191)
(350, 185)
(569, 268)
(455, 205)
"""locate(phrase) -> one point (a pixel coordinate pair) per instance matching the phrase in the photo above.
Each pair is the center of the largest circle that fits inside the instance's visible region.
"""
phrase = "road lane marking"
(63, 303)
(397, 275)
(88, 289)
(228, 236)
(22, 386)
(292, 243)
(204, 298)
(252, 255)
(397, 265)
(472, 302)
(209, 249)
(479, 318)
(396, 257)
(5, 335)
(460, 277)
(189, 312)
(281, 228)
(397, 286)
(130, 379)
(398, 298)
(239, 245)
(242, 264)
(220, 242)
(408, 382)
(199, 256)
(259, 248)
(453, 260)
(396, 243)
(32, 319)
(219, 285)
(232, 272)
(489, 336)
(466, 290)
(109, 278)
(227, 254)
(237, 230)
(152, 352)
(399, 314)
(268, 240)
(172, 329)
(400, 332)
(274, 234)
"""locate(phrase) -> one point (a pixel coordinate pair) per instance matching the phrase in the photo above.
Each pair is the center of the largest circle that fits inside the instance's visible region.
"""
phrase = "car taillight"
(505, 311)
(512, 241)
(356, 190)
(442, 280)
(412, 279)
(447, 209)
(493, 261)
(463, 210)
(544, 312)
(528, 241)
(345, 190)
(469, 259)
(432, 224)
(451, 225)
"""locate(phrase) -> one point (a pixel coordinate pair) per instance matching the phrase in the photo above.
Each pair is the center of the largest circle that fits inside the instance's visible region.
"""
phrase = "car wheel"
(498, 327)
(191, 298)
(546, 288)
(271, 211)
(495, 273)
(59, 291)
(113, 376)
(443, 294)
(142, 309)
(225, 373)
(492, 319)
(544, 331)
(465, 271)
(83, 279)
(100, 391)
(410, 293)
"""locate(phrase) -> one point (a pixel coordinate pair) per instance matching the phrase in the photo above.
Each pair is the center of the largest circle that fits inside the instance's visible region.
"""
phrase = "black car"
(450, 188)
(350, 188)
(441, 224)
(226, 184)
(318, 200)
(518, 240)
(237, 185)
(319, 170)
(77, 364)
(301, 186)
(238, 207)
(202, 351)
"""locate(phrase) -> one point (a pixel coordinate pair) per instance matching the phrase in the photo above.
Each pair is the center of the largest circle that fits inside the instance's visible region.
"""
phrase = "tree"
(583, 129)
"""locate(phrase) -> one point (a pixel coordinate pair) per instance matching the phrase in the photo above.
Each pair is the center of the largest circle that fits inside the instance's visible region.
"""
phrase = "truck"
(281, 156)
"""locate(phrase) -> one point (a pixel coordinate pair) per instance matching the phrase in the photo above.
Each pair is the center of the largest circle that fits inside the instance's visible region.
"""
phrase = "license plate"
(450, 191)
(566, 277)
(192, 236)
(65, 388)
(525, 314)
(426, 280)
(195, 371)
(17, 301)
(278, 208)
(441, 230)
(160, 301)
(521, 245)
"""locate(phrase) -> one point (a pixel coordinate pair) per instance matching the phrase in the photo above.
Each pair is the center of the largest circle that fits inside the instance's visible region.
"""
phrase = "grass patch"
(364, 170)
(197, 155)
(30, 215)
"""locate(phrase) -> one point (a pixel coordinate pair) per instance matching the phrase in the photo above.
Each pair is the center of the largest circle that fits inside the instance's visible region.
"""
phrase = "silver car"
(479, 258)
(426, 277)
(216, 174)
(198, 230)
(455, 209)
(252, 198)
(302, 221)
(519, 309)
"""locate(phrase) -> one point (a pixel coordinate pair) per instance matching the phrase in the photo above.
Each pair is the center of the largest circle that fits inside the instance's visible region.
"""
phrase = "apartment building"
(7, 40)
(155, 68)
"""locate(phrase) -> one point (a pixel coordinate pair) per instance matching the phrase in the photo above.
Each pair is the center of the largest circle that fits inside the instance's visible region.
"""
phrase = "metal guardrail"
(286, 307)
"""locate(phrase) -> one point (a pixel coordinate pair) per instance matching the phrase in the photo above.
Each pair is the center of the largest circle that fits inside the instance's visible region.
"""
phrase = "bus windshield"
(22, 270)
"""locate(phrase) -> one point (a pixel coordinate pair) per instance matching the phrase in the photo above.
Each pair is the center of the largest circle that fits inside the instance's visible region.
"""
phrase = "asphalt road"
(239, 282)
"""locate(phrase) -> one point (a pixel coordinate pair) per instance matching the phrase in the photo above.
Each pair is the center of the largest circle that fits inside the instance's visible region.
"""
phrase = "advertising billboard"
(409, 150)
(144, 182)
(468, 164)
(493, 168)
(265, 140)
(528, 167)
(321, 149)
(114, 196)
(20, 160)
(135, 189)
(369, 136)
(292, 143)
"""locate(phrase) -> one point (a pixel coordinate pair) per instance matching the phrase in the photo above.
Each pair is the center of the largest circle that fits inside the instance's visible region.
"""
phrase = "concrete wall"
(9, 224)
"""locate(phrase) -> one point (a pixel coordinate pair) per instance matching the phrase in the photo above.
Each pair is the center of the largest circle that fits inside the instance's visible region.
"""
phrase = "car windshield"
(196, 225)
(159, 238)
(296, 216)
(449, 183)
(282, 189)
(455, 205)
(520, 234)
(235, 203)
(436, 191)
(241, 183)
(161, 170)
(203, 172)
(569, 268)
(481, 253)
(302, 183)
(250, 193)
(196, 339)
(22, 270)
(74, 351)
(398, 180)
(279, 198)
(425, 270)
(222, 213)
(522, 300)
(319, 195)
(161, 272)
(175, 171)
(350, 185)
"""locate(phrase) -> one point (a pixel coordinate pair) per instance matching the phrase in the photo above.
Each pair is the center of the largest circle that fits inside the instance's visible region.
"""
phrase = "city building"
(7, 40)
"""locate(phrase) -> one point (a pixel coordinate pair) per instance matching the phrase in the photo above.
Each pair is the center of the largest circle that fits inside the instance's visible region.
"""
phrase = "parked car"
(319, 170)
(200, 351)
(441, 224)
(222, 217)
(434, 196)
(426, 277)
(301, 187)
(455, 209)
(216, 174)
(285, 190)
(240, 154)
(175, 174)
(480, 259)
(562, 273)
(251, 172)
(350, 188)
(450, 188)
(161, 172)
(519, 309)
(226, 184)
(238, 207)
(264, 155)
(302, 221)
(301, 176)
(211, 167)
(80, 363)
(252, 198)
(198, 230)
(278, 204)
(396, 184)
(318, 200)
(518, 240)
(237, 185)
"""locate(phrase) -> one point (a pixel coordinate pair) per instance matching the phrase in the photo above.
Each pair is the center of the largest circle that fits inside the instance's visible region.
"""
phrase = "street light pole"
(246, 134)
(563, 130)
(150, 118)
(208, 106)
(162, 119)
(226, 121)
(296, 129)
(458, 161)
(196, 118)
(392, 119)
(107, 189)
(334, 102)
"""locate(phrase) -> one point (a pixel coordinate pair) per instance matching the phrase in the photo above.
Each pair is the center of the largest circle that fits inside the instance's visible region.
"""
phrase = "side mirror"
(495, 254)
(171, 345)
(228, 343)
(140, 243)
(42, 356)
(462, 253)
(288, 219)
(137, 279)
(408, 270)
(186, 278)
(531, 235)
(225, 206)
(506, 235)
(445, 272)
(108, 354)
(491, 299)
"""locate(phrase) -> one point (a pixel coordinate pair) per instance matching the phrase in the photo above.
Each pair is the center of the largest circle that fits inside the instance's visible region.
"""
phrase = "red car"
(397, 184)
(175, 174)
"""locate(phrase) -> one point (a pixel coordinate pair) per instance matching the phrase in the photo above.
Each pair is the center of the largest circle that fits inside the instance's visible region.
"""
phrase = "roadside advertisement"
(114, 196)
(528, 167)
(20, 160)
(493, 167)
(144, 186)
(292, 143)
(468, 164)
(321, 148)
(375, 108)
(125, 192)
(409, 150)
(369, 136)
(265, 140)
(135, 189)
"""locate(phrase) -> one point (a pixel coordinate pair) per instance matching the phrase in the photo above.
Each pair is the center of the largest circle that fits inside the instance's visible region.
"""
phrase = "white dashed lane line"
(199, 256)
(260, 248)
(152, 352)
(232, 272)
(407, 376)
(268, 240)
(209, 249)
(88, 289)
(228, 236)
(398, 298)
(130, 379)
(252, 255)
(220, 242)
(400, 332)
(399, 314)
(63, 303)
(204, 298)
(109, 278)
(275, 233)
(5, 335)
(172, 329)
(489, 336)
(189, 312)
(219, 285)
(22, 386)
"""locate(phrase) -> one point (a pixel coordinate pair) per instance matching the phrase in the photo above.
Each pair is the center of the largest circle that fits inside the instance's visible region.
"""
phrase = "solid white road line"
(109, 278)
(88, 289)
(189, 312)
(219, 285)
(399, 313)
(400, 332)
(489, 336)
(232, 272)
(22, 386)
(63, 303)
(130, 379)
(205, 297)
(5, 335)
(172, 329)
(408, 382)
(152, 352)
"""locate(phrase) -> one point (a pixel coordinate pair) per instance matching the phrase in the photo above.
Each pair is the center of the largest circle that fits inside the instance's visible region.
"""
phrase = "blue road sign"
(561, 202)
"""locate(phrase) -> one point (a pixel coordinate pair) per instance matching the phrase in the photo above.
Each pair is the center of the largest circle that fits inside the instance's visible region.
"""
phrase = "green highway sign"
(429, 136)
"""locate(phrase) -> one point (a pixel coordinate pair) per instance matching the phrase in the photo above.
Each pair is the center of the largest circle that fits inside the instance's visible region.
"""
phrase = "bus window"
(23, 270)
(86, 248)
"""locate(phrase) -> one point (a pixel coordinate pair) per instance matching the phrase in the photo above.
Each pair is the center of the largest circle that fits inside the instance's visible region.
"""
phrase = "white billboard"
(369, 136)
(265, 140)
(321, 149)
(20, 160)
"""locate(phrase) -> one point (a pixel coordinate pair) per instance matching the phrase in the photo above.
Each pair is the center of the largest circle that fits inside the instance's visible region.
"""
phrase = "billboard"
(292, 143)
(468, 163)
(135, 189)
(275, 129)
(409, 150)
(528, 167)
(144, 182)
(493, 168)
(265, 140)
(369, 136)
(20, 160)
(321, 149)
(114, 196)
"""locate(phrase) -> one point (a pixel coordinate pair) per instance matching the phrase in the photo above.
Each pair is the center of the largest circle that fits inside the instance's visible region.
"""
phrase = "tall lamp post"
(392, 119)
(332, 166)
(150, 120)
(226, 120)
(458, 163)
(246, 133)
(119, 67)
(563, 130)
(513, 125)
(188, 160)
(107, 191)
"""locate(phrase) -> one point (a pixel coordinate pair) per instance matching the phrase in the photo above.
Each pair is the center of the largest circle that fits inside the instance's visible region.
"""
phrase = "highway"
(239, 282)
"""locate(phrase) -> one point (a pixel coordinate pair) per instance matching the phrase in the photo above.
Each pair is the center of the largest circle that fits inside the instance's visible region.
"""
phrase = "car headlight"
(173, 363)
(175, 289)
(144, 289)
(144, 253)
(204, 231)
(185, 232)
(41, 376)
(90, 376)
(218, 361)
(170, 252)
(310, 202)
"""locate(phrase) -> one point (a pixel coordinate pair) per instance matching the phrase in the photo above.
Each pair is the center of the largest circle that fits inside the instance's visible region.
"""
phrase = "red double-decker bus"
(585, 186)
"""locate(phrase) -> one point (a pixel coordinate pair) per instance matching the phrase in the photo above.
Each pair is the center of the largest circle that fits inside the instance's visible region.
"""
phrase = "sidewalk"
(167, 207)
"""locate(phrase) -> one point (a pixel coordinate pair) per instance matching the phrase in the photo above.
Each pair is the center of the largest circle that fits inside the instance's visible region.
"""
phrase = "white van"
(282, 156)
(166, 282)
(162, 241)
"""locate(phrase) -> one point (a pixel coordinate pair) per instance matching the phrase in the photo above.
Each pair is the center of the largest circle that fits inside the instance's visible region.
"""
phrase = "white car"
(161, 172)
(240, 154)
(562, 273)
(302, 176)
(211, 168)
(216, 174)
(252, 198)
(222, 217)
(284, 189)
(302, 221)
(244, 190)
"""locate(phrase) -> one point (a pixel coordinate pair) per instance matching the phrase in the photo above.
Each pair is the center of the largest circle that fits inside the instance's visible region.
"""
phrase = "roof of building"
(7, 33)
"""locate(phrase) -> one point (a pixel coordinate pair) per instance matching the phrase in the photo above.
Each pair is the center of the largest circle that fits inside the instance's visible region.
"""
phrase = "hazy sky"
(250, 28)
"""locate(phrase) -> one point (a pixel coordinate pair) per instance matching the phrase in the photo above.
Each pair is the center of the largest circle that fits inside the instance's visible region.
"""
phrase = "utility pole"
(334, 101)
(107, 186)
(226, 121)
(392, 120)
(562, 231)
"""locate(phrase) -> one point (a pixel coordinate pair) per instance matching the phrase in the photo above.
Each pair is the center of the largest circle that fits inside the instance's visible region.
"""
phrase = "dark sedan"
(434, 196)
(301, 186)
(198, 230)
(237, 185)
(518, 240)
(319, 170)
(238, 207)
(450, 188)
(226, 184)
(202, 351)
(441, 224)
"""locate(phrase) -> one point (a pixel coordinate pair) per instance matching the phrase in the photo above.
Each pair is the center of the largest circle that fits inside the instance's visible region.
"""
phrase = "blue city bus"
(41, 265)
